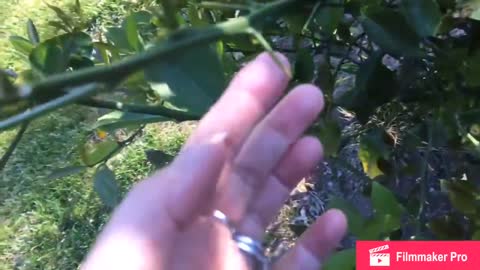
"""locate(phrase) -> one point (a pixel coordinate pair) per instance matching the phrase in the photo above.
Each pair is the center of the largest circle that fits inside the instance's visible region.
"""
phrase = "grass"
(14, 15)
(50, 224)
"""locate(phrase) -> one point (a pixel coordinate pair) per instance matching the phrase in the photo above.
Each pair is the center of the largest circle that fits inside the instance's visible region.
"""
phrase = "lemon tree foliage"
(171, 60)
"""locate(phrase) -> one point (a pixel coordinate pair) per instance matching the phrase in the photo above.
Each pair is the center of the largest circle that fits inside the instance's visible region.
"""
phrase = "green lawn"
(14, 15)
(50, 224)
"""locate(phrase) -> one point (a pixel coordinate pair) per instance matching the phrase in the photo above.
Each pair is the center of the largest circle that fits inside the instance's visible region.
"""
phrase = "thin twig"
(52, 90)
(261, 39)
(70, 97)
(180, 40)
(13, 145)
(425, 174)
(223, 6)
(134, 108)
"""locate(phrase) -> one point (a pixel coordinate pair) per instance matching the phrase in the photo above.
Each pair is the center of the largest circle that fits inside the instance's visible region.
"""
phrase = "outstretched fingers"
(264, 149)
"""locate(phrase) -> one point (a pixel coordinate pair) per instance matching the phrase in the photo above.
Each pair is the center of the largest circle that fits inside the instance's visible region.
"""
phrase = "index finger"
(250, 95)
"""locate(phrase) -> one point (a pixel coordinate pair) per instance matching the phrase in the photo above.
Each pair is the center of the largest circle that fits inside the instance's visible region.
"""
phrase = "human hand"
(246, 155)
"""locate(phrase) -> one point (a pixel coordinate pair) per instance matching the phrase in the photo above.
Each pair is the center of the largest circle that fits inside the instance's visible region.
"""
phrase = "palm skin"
(246, 155)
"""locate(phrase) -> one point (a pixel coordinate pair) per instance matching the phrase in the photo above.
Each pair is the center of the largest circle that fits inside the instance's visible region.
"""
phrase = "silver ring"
(254, 249)
(222, 218)
(247, 245)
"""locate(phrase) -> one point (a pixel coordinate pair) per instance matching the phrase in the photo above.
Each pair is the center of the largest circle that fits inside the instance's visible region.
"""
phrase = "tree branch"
(133, 108)
(179, 40)
(52, 89)
(74, 94)
(13, 145)
(223, 6)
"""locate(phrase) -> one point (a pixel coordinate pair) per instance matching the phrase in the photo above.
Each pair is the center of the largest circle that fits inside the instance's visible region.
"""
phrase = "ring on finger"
(254, 249)
(250, 247)
(222, 218)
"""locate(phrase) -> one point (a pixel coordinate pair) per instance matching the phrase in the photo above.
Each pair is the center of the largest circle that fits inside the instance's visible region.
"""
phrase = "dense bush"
(416, 90)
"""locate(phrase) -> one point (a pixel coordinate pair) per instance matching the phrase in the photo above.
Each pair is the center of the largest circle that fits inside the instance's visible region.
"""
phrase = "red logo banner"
(417, 255)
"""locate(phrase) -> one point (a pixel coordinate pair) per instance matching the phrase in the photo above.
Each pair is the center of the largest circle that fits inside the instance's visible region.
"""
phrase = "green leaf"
(461, 194)
(32, 32)
(118, 119)
(447, 23)
(379, 227)
(296, 22)
(170, 11)
(8, 91)
(446, 228)
(343, 260)
(133, 37)
(372, 149)
(93, 153)
(158, 159)
(471, 69)
(109, 53)
(329, 17)
(452, 57)
(55, 55)
(106, 186)
(385, 203)
(78, 8)
(423, 16)
(22, 45)
(117, 36)
(66, 19)
(304, 66)
(66, 171)
(330, 134)
(79, 62)
(470, 117)
(476, 235)
(446, 4)
(143, 19)
(229, 64)
(242, 43)
(375, 85)
(196, 16)
(48, 59)
(59, 26)
(475, 15)
(324, 76)
(354, 218)
(26, 76)
(390, 30)
(191, 81)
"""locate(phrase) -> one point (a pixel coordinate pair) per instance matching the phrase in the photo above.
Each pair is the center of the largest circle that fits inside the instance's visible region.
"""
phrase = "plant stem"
(133, 108)
(424, 183)
(52, 89)
(74, 94)
(181, 40)
(261, 39)
(13, 145)
(223, 6)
